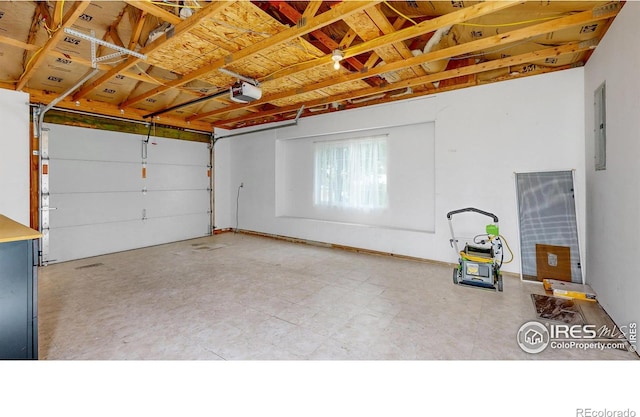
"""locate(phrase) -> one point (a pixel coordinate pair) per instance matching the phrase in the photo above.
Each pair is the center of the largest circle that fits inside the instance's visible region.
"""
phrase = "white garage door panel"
(171, 229)
(67, 243)
(75, 176)
(97, 239)
(172, 177)
(87, 208)
(175, 203)
(70, 142)
(104, 205)
(93, 208)
(169, 151)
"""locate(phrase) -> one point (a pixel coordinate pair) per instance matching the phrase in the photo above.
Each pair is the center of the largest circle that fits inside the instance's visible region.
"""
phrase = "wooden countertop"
(11, 231)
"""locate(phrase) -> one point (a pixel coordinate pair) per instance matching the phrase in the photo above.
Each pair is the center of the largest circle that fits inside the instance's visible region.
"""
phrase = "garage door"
(105, 196)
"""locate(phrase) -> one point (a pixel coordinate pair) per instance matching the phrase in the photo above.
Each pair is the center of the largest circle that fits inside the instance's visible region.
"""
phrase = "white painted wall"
(486, 134)
(482, 136)
(14, 155)
(613, 197)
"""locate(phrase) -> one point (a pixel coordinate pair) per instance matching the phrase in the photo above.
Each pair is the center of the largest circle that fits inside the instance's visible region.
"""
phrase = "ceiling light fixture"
(185, 13)
(337, 56)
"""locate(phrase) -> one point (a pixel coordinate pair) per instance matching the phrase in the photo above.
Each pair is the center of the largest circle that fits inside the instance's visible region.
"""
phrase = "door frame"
(577, 217)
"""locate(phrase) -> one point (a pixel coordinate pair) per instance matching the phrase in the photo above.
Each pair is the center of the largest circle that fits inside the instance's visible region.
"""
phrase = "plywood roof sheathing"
(287, 46)
(39, 56)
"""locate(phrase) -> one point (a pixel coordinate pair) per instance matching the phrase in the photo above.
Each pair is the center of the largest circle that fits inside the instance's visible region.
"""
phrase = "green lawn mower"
(479, 263)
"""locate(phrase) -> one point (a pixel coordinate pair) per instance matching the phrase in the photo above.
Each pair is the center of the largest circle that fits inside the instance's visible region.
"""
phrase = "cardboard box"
(553, 262)
(569, 289)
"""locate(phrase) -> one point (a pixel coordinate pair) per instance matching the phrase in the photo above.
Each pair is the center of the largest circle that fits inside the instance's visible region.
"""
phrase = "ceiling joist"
(338, 12)
(182, 27)
(72, 15)
(519, 64)
(577, 19)
(391, 51)
(152, 9)
(367, 46)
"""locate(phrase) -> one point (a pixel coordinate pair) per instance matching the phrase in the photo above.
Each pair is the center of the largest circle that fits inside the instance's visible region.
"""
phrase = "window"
(401, 182)
(351, 173)
(600, 128)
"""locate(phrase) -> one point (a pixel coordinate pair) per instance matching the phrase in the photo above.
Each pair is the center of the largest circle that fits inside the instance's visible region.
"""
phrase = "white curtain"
(351, 173)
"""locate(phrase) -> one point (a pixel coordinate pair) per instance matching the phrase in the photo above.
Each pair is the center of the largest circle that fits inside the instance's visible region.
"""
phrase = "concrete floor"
(236, 297)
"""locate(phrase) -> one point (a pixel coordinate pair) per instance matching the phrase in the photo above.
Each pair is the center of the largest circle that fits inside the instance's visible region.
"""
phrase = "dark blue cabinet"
(18, 298)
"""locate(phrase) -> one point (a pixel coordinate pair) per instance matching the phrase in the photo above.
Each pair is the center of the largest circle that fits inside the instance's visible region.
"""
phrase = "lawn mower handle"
(451, 213)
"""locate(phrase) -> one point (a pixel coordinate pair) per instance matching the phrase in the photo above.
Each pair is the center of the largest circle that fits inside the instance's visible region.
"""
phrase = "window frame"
(361, 189)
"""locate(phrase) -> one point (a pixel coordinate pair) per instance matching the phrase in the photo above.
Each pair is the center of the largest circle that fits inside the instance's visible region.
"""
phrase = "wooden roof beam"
(57, 15)
(183, 27)
(135, 36)
(33, 29)
(381, 21)
(364, 103)
(516, 60)
(87, 63)
(465, 14)
(372, 61)
(152, 9)
(113, 34)
(497, 40)
(486, 43)
(137, 30)
(468, 70)
(311, 10)
(99, 108)
(294, 16)
(348, 39)
(324, 19)
(469, 47)
(18, 44)
(69, 19)
(146, 78)
(427, 26)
